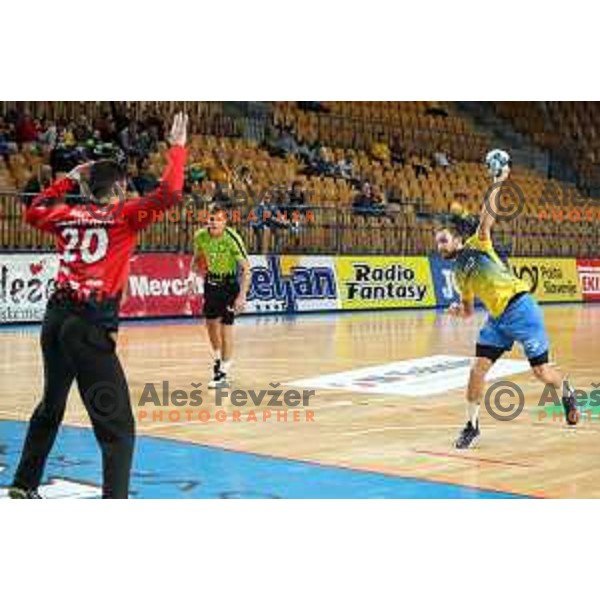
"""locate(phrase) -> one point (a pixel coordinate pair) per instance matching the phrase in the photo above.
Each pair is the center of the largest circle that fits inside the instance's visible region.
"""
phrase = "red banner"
(157, 287)
(589, 276)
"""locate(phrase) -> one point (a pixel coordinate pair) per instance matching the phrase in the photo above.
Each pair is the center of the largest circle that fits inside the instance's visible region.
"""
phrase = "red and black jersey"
(95, 245)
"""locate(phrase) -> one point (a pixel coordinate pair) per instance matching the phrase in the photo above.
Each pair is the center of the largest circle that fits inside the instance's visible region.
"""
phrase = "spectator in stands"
(68, 137)
(395, 200)
(420, 165)
(366, 203)
(7, 143)
(195, 174)
(106, 127)
(383, 205)
(146, 144)
(219, 170)
(41, 179)
(380, 151)
(282, 142)
(48, 136)
(225, 197)
(297, 202)
(128, 137)
(436, 111)
(287, 143)
(25, 129)
(245, 175)
(397, 153)
(221, 198)
(142, 179)
(441, 159)
(270, 135)
(242, 185)
(82, 129)
(265, 228)
(63, 159)
(323, 163)
(312, 106)
(204, 195)
(345, 168)
(327, 165)
(38, 126)
(307, 152)
(297, 195)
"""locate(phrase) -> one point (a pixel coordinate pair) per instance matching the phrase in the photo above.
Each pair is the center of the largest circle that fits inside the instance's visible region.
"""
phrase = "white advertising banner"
(417, 377)
(26, 282)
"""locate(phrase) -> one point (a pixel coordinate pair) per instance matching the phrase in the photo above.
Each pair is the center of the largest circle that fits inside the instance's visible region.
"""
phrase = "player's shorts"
(219, 296)
(522, 321)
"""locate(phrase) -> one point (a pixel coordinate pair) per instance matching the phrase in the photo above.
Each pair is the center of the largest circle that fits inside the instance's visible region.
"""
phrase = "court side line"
(488, 427)
(395, 428)
(490, 461)
(131, 359)
(245, 361)
(198, 344)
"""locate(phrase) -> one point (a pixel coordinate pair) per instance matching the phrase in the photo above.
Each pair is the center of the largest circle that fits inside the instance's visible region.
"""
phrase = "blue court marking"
(166, 468)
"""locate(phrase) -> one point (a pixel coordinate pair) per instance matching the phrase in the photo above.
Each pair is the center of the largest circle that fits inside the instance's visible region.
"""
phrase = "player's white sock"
(473, 413)
(216, 354)
(226, 366)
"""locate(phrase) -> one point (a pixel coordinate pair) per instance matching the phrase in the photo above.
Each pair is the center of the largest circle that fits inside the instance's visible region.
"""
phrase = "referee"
(220, 258)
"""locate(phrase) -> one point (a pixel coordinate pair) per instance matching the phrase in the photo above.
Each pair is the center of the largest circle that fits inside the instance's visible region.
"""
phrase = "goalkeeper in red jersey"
(78, 338)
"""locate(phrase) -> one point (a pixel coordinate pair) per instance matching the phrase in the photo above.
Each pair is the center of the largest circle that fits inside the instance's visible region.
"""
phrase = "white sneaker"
(220, 380)
(216, 367)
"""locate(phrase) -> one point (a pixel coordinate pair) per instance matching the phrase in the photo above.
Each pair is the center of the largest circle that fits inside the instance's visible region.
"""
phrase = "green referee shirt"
(223, 253)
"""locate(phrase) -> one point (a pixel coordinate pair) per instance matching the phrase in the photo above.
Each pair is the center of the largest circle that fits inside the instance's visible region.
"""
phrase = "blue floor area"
(172, 469)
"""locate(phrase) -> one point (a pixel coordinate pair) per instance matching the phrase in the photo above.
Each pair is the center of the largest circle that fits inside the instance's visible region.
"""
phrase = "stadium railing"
(323, 230)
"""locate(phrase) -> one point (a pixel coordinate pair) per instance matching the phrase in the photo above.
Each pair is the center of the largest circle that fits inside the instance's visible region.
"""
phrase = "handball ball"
(496, 160)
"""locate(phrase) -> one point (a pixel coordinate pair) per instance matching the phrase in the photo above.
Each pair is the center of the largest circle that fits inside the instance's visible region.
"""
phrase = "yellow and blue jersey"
(479, 272)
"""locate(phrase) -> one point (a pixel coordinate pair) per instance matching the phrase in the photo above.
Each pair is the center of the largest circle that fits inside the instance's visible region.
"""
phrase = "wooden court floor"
(385, 433)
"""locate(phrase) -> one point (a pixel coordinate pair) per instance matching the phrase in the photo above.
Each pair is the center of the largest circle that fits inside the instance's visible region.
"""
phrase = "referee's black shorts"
(219, 296)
